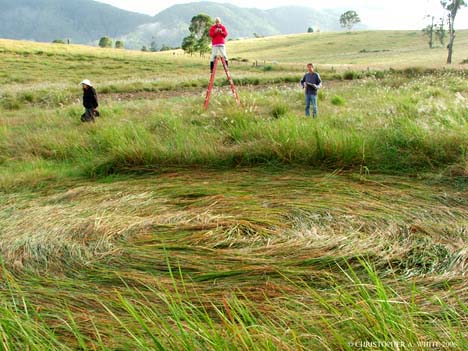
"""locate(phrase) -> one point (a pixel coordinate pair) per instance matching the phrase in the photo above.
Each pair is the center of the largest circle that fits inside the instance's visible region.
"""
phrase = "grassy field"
(163, 226)
(363, 49)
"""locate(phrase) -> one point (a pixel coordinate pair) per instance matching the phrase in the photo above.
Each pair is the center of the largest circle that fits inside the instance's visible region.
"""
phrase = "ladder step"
(212, 78)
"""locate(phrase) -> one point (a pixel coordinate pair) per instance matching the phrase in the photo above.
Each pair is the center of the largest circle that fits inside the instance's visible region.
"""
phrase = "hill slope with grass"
(355, 49)
(81, 21)
(167, 226)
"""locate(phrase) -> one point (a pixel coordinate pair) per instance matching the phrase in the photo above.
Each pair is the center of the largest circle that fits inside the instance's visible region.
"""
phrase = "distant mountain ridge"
(171, 25)
(85, 21)
(81, 21)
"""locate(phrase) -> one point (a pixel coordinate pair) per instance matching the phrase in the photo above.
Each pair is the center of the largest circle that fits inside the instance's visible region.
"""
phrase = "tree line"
(106, 42)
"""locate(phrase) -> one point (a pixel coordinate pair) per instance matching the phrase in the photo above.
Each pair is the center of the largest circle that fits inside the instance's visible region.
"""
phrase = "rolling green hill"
(81, 21)
(359, 48)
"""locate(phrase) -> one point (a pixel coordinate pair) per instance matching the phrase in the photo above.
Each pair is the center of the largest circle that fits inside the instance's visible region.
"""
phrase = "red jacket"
(217, 33)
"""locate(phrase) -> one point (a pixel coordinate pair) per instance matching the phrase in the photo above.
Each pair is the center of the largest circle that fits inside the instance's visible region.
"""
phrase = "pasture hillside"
(361, 50)
(374, 49)
(164, 226)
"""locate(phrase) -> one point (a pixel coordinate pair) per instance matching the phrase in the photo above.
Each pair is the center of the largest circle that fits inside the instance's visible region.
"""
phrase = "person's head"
(218, 20)
(86, 84)
(310, 67)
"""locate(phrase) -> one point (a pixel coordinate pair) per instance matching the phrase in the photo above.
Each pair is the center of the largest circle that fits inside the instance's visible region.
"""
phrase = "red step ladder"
(212, 78)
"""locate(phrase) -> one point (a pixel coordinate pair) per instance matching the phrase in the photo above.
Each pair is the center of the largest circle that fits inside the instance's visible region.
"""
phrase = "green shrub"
(338, 100)
(27, 97)
(350, 75)
(375, 74)
(10, 102)
(321, 95)
(412, 72)
(291, 79)
(247, 81)
(119, 44)
(105, 42)
(279, 110)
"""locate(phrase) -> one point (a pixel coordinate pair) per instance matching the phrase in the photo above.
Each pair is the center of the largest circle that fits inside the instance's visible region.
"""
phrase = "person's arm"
(225, 32)
(96, 104)
(319, 85)
(303, 81)
(212, 31)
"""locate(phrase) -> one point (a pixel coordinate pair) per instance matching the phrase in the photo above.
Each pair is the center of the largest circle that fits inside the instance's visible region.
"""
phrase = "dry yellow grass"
(355, 50)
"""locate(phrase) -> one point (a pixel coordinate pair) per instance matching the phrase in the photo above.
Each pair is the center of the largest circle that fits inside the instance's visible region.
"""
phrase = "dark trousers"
(89, 115)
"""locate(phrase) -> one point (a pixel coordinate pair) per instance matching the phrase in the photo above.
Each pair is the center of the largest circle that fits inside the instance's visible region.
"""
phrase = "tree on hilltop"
(105, 42)
(440, 31)
(119, 44)
(435, 31)
(429, 32)
(188, 44)
(153, 46)
(199, 38)
(349, 19)
(452, 7)
(165, 47)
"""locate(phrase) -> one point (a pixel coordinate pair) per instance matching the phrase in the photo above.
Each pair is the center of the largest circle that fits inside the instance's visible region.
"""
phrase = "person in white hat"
(90, 102)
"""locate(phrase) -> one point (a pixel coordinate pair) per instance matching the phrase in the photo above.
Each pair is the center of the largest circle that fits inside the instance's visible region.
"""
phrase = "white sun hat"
(87, 82)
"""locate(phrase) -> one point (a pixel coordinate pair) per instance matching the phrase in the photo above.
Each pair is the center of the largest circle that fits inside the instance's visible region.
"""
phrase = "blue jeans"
(311, 99)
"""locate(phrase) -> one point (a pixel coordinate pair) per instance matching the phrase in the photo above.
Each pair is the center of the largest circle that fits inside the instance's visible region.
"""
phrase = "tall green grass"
(358, 310)
(395, 124)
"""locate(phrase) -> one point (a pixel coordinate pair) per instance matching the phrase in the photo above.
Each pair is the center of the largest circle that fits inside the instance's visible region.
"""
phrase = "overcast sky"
(378, 14)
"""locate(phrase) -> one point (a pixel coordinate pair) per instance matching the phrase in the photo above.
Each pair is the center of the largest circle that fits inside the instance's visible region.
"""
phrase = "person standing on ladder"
(218, 34)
